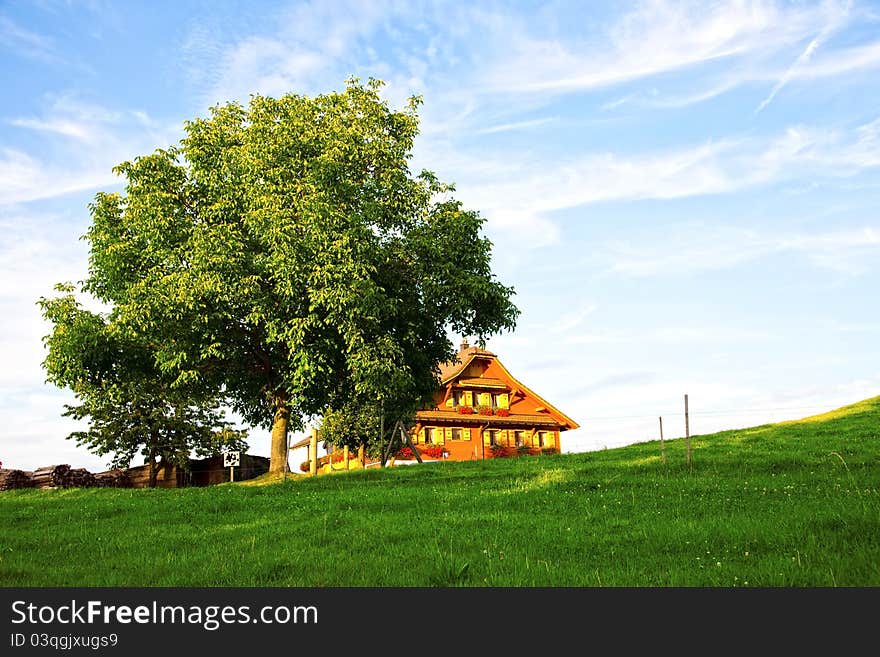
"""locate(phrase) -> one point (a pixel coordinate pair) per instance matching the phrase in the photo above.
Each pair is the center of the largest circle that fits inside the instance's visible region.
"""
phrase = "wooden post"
(386, 448)
(662, 447)
(362, 456)
(313, 453)
(231, 476)
(345, 456)
(407, 440)
(687, 431)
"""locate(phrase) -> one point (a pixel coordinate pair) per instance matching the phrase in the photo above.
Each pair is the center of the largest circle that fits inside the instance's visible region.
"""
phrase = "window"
(493, 436)
(431, 436)
(456, 434)
(519, 438)
(500, 400)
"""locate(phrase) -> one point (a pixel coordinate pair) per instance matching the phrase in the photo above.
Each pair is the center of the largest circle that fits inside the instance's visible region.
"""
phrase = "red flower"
(433, 451)
(465, 410)
(502, 412)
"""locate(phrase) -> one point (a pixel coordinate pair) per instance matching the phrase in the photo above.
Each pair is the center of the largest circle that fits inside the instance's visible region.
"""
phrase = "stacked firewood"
(62, 476)
(12, 479)
(79, 478)
(52, 476)
(112, 479)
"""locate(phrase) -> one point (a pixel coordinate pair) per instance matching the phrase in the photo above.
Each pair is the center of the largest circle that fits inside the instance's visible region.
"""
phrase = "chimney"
(464, 345)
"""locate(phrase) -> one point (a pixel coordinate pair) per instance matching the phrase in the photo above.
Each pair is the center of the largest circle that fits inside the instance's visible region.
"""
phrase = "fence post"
(313, 453)
(662, 447)
(687, 430)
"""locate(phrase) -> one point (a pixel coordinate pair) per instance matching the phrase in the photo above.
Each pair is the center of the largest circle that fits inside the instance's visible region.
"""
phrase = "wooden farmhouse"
(481, 411)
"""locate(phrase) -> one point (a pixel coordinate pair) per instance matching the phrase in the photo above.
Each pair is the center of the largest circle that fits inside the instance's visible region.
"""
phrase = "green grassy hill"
(789, 504)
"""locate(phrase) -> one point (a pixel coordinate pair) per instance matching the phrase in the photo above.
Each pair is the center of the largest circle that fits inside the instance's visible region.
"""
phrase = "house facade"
(481, 411)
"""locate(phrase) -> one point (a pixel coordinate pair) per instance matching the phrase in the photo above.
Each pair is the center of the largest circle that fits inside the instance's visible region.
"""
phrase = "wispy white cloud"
(654, 38)
(102, 138)
(690, 249)
(669, 335)
(835, 23)
(307, 43)
(64, 127)
(24, 178)
(814, 66)
(522, 194)
(25, 42)
(516, 125)
(572, 320)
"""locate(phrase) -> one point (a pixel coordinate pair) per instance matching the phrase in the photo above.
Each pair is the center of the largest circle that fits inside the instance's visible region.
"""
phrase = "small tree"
(127, 402)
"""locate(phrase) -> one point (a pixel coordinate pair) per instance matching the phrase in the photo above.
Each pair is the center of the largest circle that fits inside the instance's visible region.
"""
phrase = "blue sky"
(683, 195)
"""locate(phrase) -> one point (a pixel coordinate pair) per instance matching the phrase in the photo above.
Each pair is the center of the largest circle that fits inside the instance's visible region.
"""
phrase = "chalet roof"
(465, 355)
(490, 420)
(449, 371)
(485, 382)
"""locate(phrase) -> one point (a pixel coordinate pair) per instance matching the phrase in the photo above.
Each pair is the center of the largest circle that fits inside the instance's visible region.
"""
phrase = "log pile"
(62, 476)
(79, 478)
(113, 479)
(12, 479)
(204, 472)
(52, 476)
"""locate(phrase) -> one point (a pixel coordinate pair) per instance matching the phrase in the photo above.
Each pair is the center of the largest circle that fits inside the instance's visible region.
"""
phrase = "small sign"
(231, 459)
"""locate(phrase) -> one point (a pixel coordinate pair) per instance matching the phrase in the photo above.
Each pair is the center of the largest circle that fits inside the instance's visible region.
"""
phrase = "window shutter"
(503, 401)
(448, 435)
(468, 398)
(465, 434)
(420, 438)
(502, 437)
(486, 440)
(485, 399)
(451, 401)
(551, 439)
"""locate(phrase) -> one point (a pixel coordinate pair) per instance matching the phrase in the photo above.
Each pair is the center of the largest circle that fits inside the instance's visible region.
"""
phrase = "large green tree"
(283, 255)
(129, 405)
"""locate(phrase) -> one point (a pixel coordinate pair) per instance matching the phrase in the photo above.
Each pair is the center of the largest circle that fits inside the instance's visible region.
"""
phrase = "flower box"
(465, 410)
(434, 451)
(502, 412)
(485, 410)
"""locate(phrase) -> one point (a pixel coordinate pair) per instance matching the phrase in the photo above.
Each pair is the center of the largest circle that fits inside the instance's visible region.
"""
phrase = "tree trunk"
(278, 453)
(153, 473)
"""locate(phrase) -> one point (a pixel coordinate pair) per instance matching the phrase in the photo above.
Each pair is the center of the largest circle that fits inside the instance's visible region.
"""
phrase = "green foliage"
(128, 403)
(283, 255)
(774, 506)
(353, 425)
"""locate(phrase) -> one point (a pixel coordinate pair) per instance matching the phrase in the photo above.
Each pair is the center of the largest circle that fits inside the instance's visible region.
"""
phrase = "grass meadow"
(793, 504)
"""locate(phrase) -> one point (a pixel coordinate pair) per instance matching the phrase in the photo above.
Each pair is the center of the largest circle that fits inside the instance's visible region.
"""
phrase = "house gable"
(480, 373)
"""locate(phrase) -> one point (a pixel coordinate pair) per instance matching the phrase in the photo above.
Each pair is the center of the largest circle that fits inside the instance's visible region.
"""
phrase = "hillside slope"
(789, 504)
